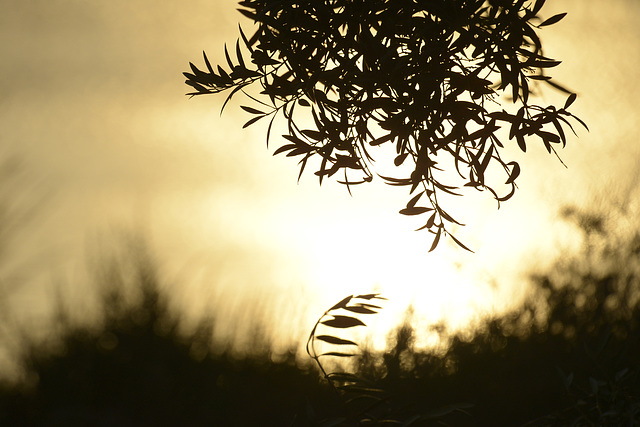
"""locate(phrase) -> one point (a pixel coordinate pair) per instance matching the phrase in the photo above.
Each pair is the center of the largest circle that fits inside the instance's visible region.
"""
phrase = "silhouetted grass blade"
(338, 354)
(339, 321)
(370, 296)
(335, 340)
(342, 303)
(360, 309)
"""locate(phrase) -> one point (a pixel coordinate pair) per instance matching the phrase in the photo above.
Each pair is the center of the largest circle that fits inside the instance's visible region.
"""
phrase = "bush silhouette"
(136, 368)
(569, 356)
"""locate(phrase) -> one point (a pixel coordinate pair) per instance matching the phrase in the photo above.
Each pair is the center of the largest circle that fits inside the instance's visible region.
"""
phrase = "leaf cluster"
(424, 77)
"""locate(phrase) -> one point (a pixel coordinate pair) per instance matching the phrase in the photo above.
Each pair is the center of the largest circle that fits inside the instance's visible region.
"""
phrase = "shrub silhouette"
(136, 368)
(569, 356)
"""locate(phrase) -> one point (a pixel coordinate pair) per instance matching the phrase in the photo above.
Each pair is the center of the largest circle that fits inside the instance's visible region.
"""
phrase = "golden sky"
(93, 107)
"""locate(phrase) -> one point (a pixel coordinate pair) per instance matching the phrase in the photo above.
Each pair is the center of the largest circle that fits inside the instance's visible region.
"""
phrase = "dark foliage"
(137, 369)
(569, 356)
(424, 77)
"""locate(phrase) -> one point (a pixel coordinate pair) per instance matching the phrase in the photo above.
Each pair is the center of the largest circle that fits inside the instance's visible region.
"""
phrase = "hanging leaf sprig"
(428, 77)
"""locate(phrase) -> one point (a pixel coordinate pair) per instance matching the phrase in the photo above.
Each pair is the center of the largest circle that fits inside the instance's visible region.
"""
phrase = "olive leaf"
(429, 78)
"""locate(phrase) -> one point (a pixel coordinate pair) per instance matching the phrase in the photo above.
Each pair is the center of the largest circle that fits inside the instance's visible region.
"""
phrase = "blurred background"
(99, 143)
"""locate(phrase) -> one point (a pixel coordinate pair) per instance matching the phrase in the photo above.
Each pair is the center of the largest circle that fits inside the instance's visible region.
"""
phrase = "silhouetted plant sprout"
(341, 380)
(357, 387)
(425, 77)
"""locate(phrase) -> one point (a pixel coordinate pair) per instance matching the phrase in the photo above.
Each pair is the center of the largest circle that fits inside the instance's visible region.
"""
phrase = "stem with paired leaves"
(350, 304)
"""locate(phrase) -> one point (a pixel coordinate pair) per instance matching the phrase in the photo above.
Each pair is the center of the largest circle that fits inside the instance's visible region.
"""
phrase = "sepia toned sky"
(93, 113)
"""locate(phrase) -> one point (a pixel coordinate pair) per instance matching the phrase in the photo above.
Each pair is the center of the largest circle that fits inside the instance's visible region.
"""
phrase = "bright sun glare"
(366, 246)
(337, 245)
